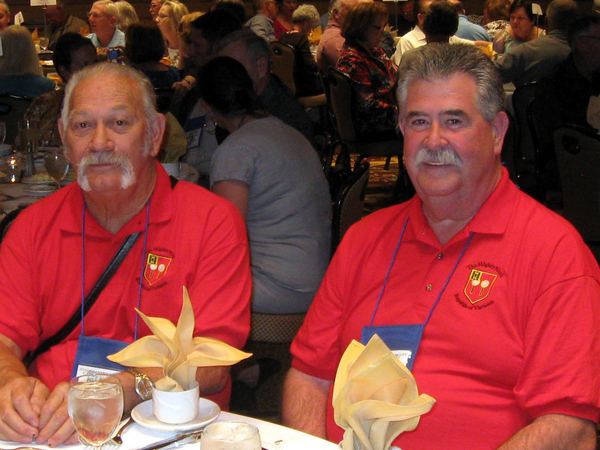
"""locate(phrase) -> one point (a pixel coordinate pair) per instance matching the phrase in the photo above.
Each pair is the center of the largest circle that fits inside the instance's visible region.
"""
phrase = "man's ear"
(262, 67)
(157, 130)
(499, 128)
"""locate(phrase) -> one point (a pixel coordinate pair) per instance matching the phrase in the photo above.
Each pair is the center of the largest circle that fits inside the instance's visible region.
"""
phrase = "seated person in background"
(103, 23)
(488, 273)
(235, 7)
(168, 20)
(305, 18)
(331, 43)
(563, 96)
(531, 60)
(262, 22)
(73, 52)
(283, 20)
(373, 75)
(112, 140)
(466, 29)
(205, 32)
(126, 15)
(20, 70)
(270, 172)
(254, 54)
(61, 22)
(155, 7)
(495, 17)
(416, 37)
(4, 15)
(441, 23)
(522, 29)
(144, 49)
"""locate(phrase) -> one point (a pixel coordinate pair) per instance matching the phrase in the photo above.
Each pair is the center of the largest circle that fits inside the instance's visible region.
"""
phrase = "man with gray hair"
(262, 22)
(253, 52)
(61, 22)
(464, 283)
(528, 62)
(173, 234)
(331, 43)
(103, 23)
(4, 15)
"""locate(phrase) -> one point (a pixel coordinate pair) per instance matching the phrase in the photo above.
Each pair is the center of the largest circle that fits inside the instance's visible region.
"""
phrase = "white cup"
(172, 169)
(175, 407)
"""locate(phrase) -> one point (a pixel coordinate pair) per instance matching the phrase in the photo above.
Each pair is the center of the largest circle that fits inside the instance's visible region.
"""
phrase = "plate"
(39, 190)
(38, 182)
(208, 411)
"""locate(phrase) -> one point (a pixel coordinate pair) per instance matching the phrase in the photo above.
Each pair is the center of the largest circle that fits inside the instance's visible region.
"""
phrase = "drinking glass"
(2, 132)
(43, 44)
(57, 165)
(95, 406)
(230, 436)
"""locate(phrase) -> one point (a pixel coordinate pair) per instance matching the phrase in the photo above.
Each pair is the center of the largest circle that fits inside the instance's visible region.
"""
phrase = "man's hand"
(55, 425)
(21, 401)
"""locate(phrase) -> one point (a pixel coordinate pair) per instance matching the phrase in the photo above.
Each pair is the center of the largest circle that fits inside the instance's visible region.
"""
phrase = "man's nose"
(435, 136)
(101, 140)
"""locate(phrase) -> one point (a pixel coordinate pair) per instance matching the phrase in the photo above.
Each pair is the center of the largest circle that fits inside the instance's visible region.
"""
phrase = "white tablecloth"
(273, 437)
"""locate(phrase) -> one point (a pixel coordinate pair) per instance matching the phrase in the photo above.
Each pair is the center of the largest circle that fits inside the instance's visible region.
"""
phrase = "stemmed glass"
(57, 165)
(2, 132)
(95, 406)
(43, 44)
(230, 436)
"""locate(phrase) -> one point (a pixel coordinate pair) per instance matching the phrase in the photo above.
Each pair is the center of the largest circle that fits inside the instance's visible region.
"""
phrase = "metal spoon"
(116, 439)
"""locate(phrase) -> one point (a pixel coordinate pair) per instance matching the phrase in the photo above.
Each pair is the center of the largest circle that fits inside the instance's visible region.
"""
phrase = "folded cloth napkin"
(176, 350)
(375, 397)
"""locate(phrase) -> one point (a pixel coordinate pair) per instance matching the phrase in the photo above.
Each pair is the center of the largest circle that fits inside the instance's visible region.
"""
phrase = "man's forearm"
(305, 403)
(554, 432)
(11, 366)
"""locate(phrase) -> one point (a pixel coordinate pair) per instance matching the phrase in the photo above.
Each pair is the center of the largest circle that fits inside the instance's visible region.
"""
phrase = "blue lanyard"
(392, 264)
(141, 271)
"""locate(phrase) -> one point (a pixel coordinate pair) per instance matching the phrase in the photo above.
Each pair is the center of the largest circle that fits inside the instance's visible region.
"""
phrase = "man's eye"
(418, 123)
(120, 123)
(81, 125)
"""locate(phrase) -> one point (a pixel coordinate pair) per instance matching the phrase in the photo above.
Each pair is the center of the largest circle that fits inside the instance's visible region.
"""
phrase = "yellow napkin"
(176, 350)
(375, 397)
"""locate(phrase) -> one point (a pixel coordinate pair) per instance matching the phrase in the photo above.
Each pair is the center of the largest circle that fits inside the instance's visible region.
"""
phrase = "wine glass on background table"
(56, 165)
(95, 406)
(43, 44)
(230, 436)
(2, 133)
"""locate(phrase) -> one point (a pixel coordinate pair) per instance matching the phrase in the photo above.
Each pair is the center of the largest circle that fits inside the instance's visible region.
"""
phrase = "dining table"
(273, 437)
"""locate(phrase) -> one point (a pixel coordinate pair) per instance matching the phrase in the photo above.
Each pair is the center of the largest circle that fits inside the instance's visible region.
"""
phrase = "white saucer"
(208, 411)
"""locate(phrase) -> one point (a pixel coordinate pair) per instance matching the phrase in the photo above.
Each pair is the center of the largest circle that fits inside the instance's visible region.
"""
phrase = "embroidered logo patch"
(479, 285)
(156, 267)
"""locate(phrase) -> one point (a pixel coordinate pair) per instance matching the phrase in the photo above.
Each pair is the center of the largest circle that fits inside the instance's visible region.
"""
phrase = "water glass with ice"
(95, 406)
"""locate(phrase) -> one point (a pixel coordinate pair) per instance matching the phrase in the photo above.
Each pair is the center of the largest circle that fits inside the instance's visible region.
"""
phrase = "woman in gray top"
(271, 173)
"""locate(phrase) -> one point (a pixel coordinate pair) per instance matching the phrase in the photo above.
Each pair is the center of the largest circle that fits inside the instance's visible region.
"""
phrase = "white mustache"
(442, 156)
(105, 157)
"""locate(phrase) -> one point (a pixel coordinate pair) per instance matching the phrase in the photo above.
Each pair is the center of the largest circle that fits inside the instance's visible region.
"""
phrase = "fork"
(116, 439)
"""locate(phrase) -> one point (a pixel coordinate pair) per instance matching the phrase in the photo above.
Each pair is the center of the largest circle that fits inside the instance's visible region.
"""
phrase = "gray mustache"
(444, 155)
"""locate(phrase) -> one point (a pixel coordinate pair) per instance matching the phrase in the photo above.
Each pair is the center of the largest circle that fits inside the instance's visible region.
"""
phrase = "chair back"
(509, 146)
(521, 100)
(164, 97)
(283, 63)
(12, 110)
(578, 155)
(340, 98)
(7, 221)
(349, 206)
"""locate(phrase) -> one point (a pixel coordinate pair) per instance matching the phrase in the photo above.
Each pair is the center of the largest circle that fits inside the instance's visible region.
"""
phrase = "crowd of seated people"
(248, 137)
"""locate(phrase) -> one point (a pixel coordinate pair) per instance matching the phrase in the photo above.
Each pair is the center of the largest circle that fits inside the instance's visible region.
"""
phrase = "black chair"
(509, 148)
(349, 205)
(12, 110)
(7, 221)
(164, 97)
(578, 154)
(527, 158)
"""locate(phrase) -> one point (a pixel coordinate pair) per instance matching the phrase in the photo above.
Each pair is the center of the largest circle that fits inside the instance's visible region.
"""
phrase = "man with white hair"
(103, 23)
(4, 15)
(262, 22)
(489, 298)
(331, 43)
(176, 234)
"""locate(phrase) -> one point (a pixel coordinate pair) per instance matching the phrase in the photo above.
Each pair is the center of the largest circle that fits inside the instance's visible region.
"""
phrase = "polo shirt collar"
(492, 218)
(161, 209)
